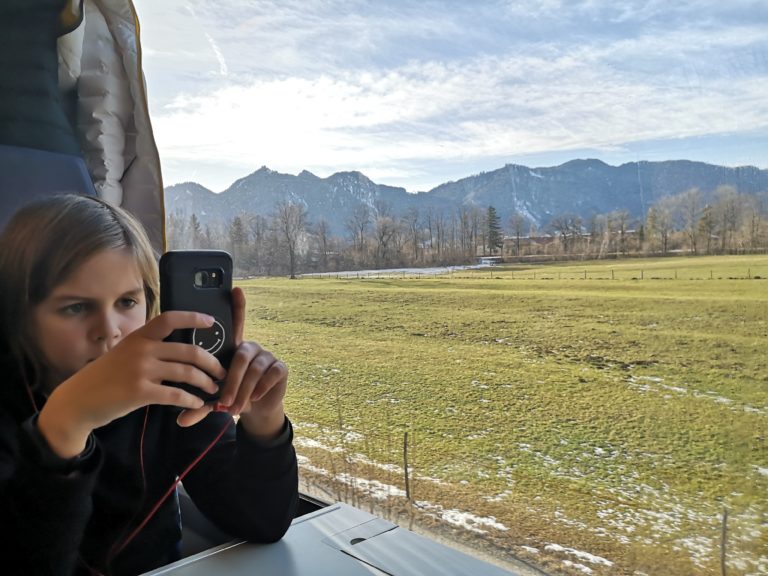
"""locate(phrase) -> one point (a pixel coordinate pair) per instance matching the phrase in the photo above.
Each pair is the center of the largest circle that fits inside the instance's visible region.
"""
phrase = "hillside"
(579, 187)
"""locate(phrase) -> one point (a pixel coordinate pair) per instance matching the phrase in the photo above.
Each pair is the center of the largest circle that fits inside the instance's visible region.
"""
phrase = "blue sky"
(417, 93)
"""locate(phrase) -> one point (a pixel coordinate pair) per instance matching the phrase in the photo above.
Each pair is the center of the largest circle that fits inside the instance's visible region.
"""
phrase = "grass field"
(596, 419)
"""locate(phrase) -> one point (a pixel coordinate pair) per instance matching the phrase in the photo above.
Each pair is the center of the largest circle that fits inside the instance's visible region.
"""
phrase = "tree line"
(288, 242)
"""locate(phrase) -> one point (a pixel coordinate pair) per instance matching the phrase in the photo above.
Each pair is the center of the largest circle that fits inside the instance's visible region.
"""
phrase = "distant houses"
(513, 246)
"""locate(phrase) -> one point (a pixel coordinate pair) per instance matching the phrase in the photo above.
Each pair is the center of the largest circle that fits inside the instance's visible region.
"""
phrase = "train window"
(514, 254)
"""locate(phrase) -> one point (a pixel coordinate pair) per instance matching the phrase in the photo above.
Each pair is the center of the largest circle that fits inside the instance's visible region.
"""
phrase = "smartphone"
(200, 281)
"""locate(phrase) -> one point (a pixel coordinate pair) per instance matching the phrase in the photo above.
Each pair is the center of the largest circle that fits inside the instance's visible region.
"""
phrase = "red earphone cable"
(170, 491)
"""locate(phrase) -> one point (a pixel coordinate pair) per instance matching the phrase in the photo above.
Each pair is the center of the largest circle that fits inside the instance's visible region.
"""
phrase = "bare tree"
(436, 230)
(357, 225)
(260, 253)
(621, 218)
(176, 226)
(399, 243)
(431, 218)
(599, 241)
(754, 211)
(517, 226)
(208, 240)
(274, 257)
(292, 220)
(607, 244)
(476, 229)
(465, 239)
(691, 206)
(707, 226)
(659, 222)
(412, 224)
(440, 232)
(727, 216)
(568, 229)
(454, 250)
(237, 238)
(385, 230)
(323, 234)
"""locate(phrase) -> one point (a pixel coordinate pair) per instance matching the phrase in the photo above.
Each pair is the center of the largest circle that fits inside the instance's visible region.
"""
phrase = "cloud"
(223, 70)
(398, 89)
(490, 106)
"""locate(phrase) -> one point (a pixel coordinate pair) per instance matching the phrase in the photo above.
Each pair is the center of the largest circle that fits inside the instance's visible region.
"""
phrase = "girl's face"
(85, 316)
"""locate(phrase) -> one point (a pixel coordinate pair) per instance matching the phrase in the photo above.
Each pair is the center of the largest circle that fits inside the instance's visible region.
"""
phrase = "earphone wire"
(112, 553)
(170, 491)
(117, 549)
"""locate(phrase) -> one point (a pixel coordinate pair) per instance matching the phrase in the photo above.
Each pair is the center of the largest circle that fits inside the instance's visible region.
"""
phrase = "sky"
(418, 93)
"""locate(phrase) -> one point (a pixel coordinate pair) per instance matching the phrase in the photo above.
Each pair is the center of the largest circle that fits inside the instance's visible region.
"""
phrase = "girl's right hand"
(129, 377)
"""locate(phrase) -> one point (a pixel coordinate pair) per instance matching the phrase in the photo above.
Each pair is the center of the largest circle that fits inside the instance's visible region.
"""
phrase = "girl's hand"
(129, 377)
(255, 384)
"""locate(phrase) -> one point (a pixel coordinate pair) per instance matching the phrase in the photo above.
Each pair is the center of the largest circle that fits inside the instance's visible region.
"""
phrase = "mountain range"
(578, 187)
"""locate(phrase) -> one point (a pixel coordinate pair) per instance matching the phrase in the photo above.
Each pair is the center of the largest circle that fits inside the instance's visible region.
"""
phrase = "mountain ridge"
(581, 187)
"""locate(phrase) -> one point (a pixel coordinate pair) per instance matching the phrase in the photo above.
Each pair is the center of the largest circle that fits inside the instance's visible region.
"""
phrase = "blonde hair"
(42, 245)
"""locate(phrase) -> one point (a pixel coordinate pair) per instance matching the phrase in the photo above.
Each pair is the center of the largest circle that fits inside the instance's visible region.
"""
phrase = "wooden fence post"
(405, 467)
(723, 538)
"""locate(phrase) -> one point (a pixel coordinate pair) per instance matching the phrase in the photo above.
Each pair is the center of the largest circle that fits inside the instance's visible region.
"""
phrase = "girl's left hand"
(255, 385)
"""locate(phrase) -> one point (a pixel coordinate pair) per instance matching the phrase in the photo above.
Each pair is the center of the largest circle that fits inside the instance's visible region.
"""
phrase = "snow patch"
(465, 520)
(585, 556)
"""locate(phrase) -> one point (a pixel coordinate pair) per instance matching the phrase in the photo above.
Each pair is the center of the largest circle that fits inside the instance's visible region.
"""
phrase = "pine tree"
(237, 237)
(495, 238)
(195, 231)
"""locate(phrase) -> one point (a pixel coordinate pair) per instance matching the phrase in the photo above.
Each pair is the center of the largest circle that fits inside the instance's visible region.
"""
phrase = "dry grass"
(615, 417)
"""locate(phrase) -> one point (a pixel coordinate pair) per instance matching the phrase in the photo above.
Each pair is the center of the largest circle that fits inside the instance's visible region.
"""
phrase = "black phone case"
(179, 292)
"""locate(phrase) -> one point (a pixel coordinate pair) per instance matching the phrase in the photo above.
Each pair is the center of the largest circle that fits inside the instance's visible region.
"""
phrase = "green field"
(609, 408)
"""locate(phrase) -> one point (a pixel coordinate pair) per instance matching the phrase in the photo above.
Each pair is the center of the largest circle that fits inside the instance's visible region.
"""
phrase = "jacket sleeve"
(247, 488)
(45, 507)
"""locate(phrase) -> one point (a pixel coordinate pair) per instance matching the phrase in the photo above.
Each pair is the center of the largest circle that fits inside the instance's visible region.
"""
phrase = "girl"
(91, 441)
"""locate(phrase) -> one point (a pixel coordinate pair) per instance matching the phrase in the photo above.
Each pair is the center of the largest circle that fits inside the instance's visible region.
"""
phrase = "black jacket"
(66, 519)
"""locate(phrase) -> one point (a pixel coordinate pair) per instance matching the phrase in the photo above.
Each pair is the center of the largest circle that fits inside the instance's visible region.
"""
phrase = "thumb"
(192, 416)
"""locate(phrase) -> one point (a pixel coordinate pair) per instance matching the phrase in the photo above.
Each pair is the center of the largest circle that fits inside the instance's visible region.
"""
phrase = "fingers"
(241, 361)
(192, 355)
(170, 396)
(277, 373)
(253, 373)
(238, 314)
(192, 417)
(160, 327)
(188, 374)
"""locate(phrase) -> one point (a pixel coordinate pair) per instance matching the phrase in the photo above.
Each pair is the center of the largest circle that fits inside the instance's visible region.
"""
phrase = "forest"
(290, 242)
